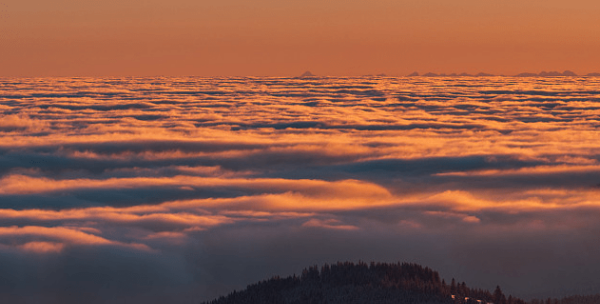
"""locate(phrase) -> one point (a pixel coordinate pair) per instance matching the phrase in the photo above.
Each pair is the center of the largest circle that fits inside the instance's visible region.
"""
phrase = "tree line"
(362, 283)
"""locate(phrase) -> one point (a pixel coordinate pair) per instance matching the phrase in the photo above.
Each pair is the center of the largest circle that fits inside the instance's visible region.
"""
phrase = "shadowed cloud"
(178, 190)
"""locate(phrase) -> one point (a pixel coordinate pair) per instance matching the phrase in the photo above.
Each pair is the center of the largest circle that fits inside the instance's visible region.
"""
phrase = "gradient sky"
(283, 38)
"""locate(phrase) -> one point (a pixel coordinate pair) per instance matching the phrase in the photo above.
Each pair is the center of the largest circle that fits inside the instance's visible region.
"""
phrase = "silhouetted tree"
(499, 297)
(453, 289)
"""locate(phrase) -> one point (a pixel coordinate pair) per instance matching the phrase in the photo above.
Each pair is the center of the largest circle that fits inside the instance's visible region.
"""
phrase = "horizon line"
(308, 74)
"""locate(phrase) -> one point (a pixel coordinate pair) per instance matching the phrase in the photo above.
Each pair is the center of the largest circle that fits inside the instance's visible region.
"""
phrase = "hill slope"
(375, 283)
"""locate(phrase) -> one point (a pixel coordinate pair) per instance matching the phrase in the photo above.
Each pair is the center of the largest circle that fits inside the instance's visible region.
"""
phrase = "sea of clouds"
(177, 190)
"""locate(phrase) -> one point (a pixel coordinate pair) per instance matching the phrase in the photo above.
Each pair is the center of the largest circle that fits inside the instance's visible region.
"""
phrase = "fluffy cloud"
(179, 190)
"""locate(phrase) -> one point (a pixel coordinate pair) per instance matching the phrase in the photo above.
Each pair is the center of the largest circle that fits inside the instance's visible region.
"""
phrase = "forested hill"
(362, 283)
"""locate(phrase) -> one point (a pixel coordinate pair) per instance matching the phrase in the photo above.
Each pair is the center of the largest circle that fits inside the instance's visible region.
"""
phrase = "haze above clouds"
(283, 38)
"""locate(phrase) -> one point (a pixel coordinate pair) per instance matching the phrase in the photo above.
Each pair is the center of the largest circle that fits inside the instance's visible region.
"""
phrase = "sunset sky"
(177, 156)
(285, 38)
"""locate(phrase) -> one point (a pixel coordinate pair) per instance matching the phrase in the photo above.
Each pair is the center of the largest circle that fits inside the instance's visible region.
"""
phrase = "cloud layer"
(181, 189)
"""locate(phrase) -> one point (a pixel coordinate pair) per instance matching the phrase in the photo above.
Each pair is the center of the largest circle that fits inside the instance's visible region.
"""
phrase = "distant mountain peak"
(547, 74)
(307, 74)
(463, 74)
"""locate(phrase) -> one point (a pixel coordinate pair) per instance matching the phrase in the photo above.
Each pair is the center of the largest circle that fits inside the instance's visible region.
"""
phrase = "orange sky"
(281, 38)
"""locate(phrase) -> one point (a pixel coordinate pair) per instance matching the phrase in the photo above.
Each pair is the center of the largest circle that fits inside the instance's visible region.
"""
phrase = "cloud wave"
(181, 189)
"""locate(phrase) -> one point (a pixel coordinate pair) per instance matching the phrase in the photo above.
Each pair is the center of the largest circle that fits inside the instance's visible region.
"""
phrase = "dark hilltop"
(362, 283)
(376, 283)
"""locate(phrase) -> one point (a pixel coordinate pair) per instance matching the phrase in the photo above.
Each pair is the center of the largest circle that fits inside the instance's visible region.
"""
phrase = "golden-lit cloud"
(328, 224)
(173, 179)
(42, 247)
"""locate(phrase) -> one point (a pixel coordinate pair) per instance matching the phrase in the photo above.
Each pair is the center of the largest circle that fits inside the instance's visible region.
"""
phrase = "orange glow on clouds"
(42, 247)
(182, 174)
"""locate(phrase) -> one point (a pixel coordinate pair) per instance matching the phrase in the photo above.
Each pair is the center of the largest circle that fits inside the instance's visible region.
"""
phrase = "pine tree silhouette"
(362, 283)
